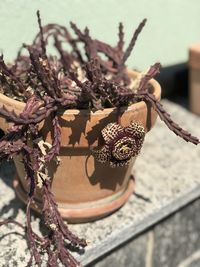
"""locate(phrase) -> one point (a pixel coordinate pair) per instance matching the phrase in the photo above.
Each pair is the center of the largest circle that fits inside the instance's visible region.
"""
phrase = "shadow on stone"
(146, 199)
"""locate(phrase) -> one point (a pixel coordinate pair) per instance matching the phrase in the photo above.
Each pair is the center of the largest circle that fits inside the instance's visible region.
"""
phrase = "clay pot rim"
(157, 93)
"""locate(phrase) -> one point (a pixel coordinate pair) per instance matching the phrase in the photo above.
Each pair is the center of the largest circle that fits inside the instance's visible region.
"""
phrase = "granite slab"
(167, 178)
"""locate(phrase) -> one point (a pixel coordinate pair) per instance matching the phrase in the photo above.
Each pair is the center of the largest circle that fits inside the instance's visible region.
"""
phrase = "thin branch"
(11, 221)
(55, 149)
(120, 44)
(132, 42)
(153, 70)
(164, 116)
(43, 45)
(31, 238)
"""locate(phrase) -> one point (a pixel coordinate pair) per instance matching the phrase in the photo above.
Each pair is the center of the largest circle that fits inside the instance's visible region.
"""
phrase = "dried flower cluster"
(78, 78)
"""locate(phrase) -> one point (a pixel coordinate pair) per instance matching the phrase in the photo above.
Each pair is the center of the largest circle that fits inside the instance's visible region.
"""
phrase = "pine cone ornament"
(121, 144)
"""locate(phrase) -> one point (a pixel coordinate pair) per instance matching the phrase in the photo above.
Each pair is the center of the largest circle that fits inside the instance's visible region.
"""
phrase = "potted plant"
(74, 126)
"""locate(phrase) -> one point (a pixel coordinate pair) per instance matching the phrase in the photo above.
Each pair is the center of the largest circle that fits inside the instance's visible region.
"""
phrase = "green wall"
(172, 24)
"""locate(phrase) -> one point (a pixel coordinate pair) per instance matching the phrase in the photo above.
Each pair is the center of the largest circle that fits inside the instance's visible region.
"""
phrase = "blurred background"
(172, 26)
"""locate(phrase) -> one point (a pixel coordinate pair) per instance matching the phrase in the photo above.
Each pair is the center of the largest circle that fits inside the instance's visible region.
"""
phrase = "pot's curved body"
(85, 189)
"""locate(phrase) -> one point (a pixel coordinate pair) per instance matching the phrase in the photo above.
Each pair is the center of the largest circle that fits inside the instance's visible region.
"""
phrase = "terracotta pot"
(85, 189)
(194, 78)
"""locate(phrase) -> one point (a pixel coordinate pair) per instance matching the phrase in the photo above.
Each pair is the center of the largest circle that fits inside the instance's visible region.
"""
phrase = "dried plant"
(81, 79)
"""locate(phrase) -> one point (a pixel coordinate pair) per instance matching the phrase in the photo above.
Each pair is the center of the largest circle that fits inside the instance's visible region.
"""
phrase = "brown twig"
(43, 45)
(55, 149)
(120, 44)
(164, 116)
(132, 42)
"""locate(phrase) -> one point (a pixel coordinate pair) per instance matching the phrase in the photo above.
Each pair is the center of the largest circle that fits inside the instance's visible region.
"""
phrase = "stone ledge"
(134, 230)
(173, 242)
(167, 178)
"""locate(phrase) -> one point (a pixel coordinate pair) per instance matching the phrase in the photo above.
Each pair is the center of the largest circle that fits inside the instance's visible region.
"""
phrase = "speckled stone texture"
(167, 178)
(171, 243)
